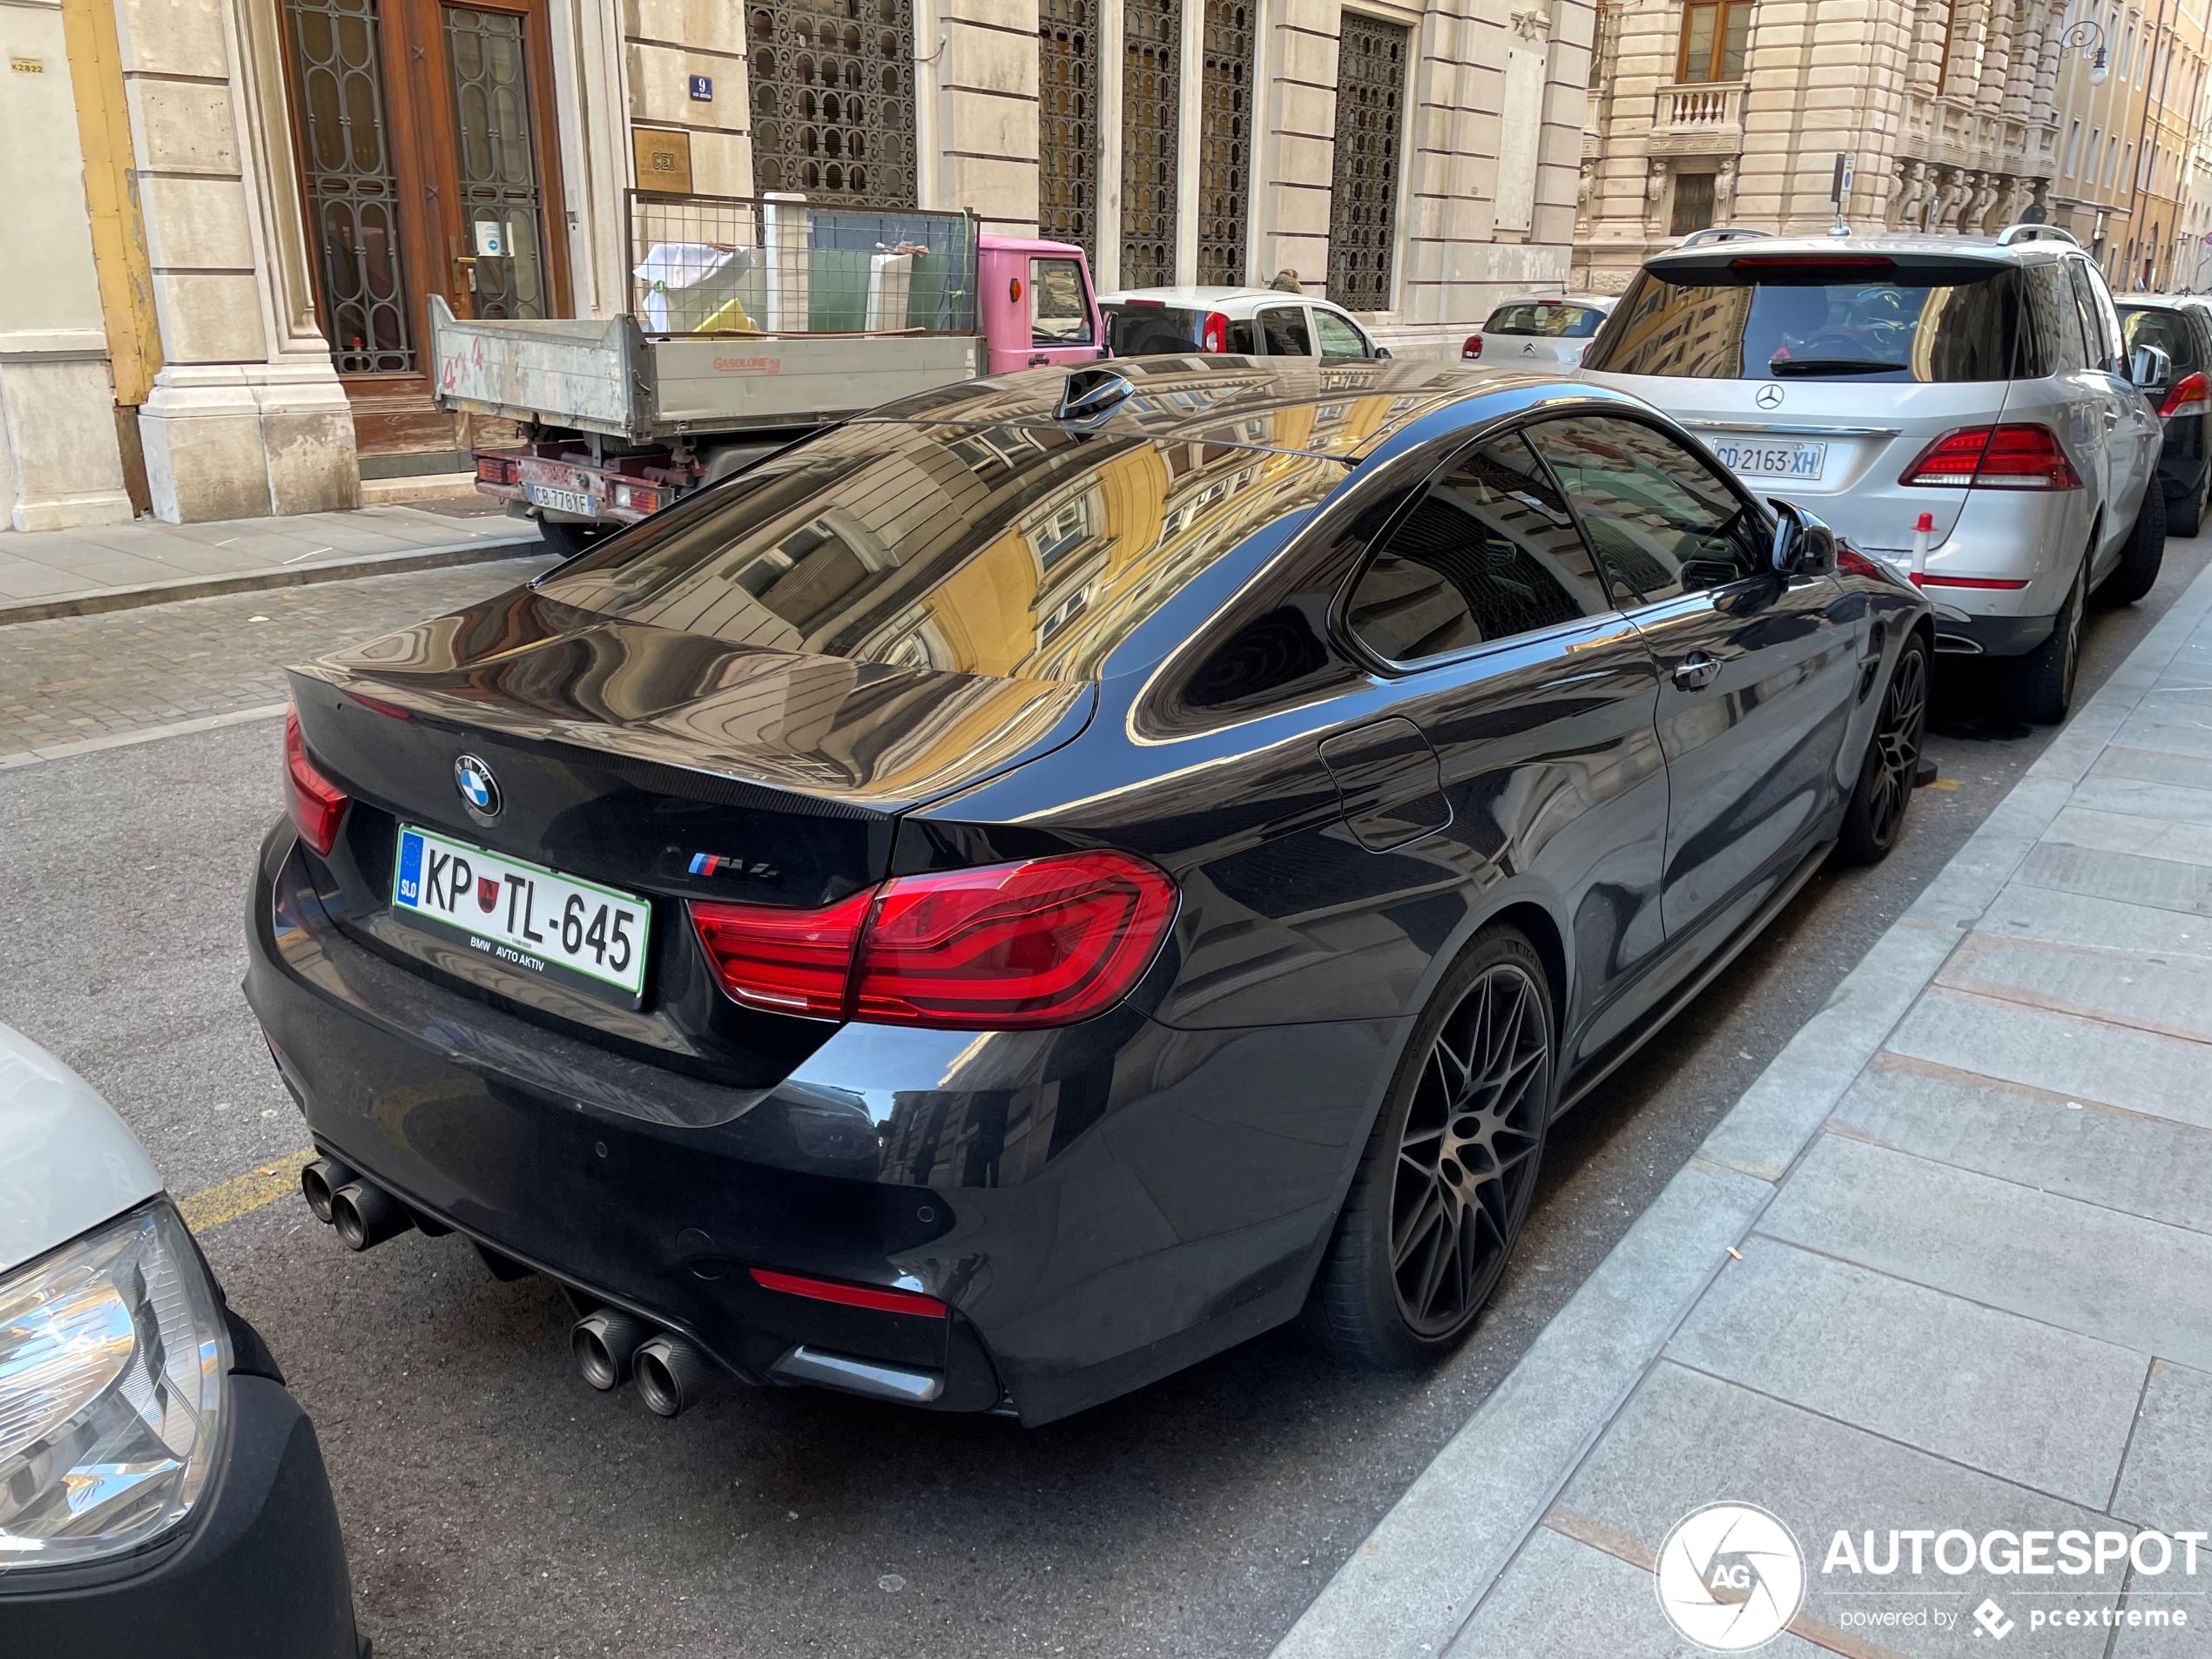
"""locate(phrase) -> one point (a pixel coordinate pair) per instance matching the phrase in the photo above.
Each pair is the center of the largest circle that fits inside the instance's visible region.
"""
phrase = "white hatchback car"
(1539, 331)
(1249, 322)
(1961, 407)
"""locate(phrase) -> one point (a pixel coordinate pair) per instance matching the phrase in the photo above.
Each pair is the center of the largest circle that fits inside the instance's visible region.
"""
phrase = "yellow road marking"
(243, 1194)
(1946, 784)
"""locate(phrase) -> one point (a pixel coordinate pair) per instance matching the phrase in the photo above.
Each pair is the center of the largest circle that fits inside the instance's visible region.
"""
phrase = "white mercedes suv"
(1961, 407)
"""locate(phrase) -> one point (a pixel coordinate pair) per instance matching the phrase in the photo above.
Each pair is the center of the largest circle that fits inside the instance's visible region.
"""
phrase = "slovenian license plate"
(523, 914)
(563, 501)
(1800, 460)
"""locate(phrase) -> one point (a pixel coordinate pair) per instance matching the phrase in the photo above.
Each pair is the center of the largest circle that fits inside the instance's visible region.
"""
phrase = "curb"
(1410, 1587)
(94, 601)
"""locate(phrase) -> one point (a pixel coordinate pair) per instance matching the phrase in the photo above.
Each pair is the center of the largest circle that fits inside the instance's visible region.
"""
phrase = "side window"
(1057, 314)
(2101, 330)
(1488, 551)
(1338, 338)
(1243, 337)
(2057, 319)
(1660, 521)
(1284, 326)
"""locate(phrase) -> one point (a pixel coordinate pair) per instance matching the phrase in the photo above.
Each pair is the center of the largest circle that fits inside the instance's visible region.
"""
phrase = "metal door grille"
(496, 157)
(833, 85)
(1363, 187)
(352, 207)
(1226, 138)
(1151, 113)
(1068, 122)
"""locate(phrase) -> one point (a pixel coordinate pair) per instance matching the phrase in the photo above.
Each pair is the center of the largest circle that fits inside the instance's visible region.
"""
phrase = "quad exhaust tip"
(604, 1343)
(673, 1375)
(317, 1180)
(364, 1215)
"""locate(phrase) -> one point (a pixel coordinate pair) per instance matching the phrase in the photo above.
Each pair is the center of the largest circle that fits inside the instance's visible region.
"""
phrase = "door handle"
(1695, 672)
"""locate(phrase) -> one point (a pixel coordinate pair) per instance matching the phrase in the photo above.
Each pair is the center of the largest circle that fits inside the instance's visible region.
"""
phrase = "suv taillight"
(1214, 336)
(2192, 395)
(1472, 350)
(1046, 941)
(314, 802)
(2018, 455)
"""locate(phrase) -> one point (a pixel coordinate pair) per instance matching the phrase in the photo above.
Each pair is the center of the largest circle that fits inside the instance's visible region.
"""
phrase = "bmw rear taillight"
(1215, 335)
(314, 802)
(852, 1296)
(2192, 395)
(1045, 942)
(1472, 350)
(2017, 456)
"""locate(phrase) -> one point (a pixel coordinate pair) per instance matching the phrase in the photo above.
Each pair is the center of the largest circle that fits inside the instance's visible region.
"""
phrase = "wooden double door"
(428, 164)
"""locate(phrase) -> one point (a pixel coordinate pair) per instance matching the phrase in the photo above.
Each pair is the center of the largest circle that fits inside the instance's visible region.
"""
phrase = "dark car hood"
(869, 736)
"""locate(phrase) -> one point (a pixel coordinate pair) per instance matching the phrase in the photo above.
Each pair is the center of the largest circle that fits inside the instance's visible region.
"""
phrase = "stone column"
(59, 463)
(1297, 148)
(1962, 72)
(983, 92)
(1924, 67)
(247, 416)
(1996, 59)
(2028, 60)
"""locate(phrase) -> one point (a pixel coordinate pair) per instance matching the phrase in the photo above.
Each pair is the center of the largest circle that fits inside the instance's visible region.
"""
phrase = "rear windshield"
(2167, 330)
(1024, 552)
(1560, 321)
(1871, 319)
(1150, 331)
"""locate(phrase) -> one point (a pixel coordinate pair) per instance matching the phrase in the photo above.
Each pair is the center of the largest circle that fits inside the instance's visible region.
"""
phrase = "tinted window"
(2056, 318)
(1057, 314)
(2169, 331)
(1338, 338)
(1285, 328)
(1011, 550)
(1873, 319)
(1660, 521)
(1145, 331)
(2099, 324)
(1556, 319)
(1488, 551)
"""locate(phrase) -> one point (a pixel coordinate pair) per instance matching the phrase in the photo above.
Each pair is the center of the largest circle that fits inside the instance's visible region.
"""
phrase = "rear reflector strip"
(1928, 579)
(851, 1296)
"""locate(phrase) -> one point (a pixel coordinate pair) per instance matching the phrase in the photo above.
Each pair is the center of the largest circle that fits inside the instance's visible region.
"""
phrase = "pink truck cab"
(762, 343)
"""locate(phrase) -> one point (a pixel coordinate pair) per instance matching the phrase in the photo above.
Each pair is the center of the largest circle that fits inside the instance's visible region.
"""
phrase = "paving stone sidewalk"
(1947, 1264)
(64, 573)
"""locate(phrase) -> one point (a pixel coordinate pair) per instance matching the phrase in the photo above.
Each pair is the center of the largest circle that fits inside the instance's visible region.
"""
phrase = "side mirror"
(1382, 353)
(2147, 367)
(1803, 545)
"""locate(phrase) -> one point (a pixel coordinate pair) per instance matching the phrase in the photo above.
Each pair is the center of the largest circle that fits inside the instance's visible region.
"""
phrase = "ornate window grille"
(833, 85)
(352, 193)
(1151, 112)
(1363, 190)
(1224, 139)
(496, 157)
(1068, 122)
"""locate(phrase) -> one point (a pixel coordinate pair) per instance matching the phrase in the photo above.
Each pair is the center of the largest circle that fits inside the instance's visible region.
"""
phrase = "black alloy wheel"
(1876, 813)
(1467, 1156)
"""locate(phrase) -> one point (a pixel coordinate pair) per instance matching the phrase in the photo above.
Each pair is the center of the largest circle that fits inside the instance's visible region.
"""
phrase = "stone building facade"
(234, 214)
(1733, 112)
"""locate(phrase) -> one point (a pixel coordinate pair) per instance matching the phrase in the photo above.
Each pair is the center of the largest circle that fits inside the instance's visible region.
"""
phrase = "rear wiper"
(1784, 368)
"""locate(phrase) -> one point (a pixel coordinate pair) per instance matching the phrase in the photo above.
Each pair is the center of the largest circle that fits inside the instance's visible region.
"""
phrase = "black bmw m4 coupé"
(1038, 884)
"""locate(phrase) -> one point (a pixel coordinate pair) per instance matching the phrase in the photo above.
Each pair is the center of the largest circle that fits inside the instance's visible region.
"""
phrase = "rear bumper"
(1099, 1205)
(261, 1574)
(1960, 634)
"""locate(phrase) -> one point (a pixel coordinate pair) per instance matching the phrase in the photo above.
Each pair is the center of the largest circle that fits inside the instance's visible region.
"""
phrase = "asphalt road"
(495, 1504)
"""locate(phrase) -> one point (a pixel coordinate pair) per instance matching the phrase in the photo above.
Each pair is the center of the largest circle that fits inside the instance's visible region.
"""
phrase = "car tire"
(567, 539)
(2043, 680)
(1874, 816)
(2188, 519)
(2137, 572)
(1445, 1183)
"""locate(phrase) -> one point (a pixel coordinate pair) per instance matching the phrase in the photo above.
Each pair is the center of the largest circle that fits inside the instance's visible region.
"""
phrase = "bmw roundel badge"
(479, 789)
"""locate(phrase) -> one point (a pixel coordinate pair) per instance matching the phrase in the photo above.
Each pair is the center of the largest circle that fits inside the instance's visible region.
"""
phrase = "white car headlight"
(114, 1363)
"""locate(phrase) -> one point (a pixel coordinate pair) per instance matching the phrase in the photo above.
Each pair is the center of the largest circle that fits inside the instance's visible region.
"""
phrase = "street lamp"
(2080, 37)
